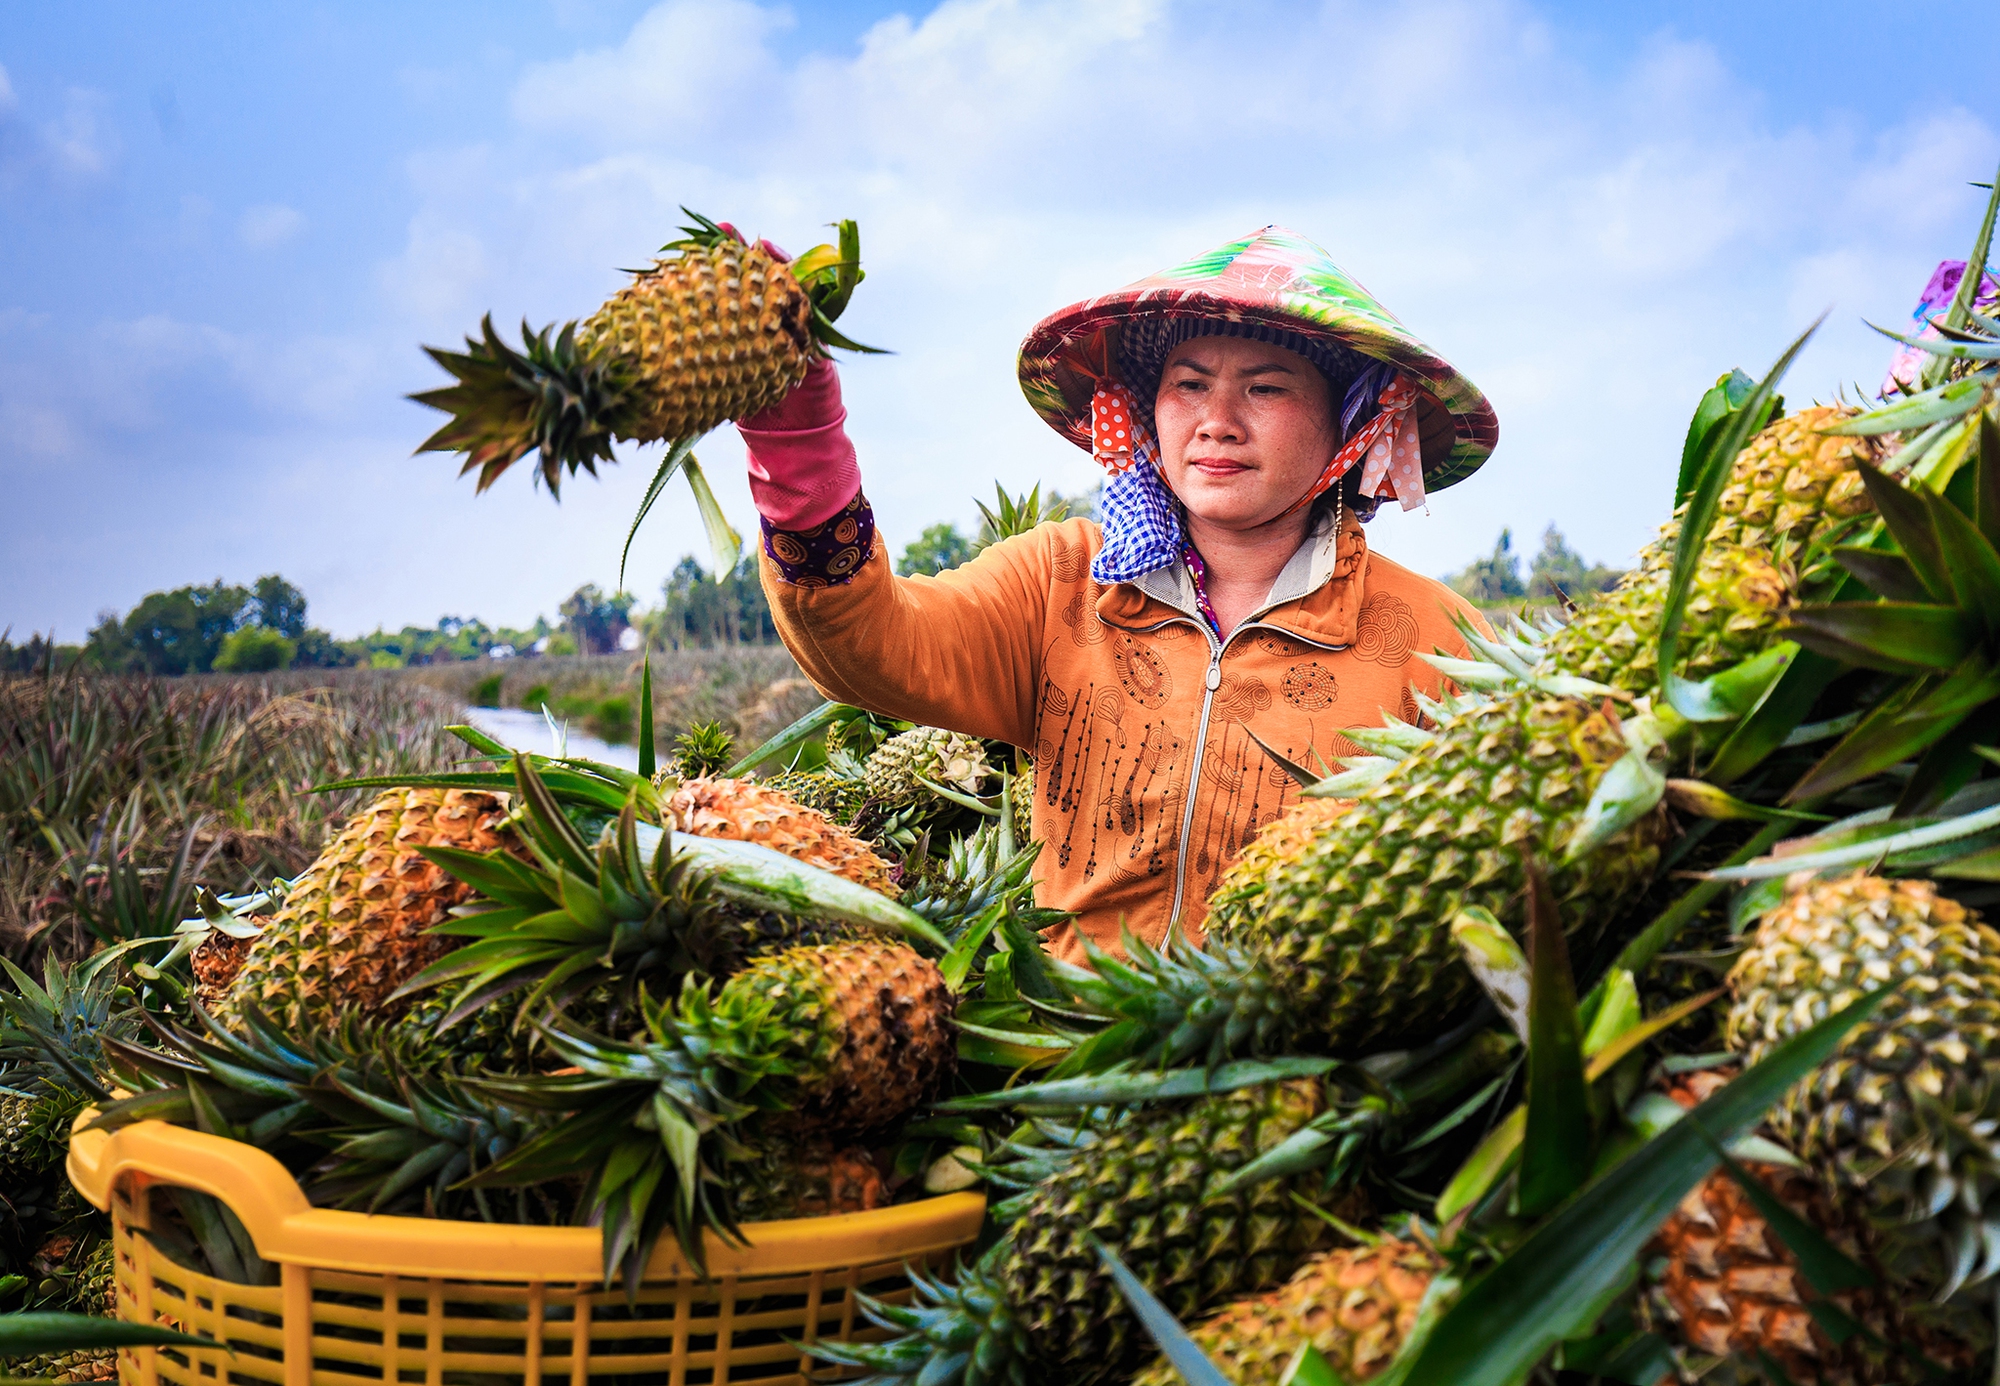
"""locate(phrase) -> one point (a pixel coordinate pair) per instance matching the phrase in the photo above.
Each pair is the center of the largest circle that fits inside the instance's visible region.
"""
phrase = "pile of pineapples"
(1628, 1017)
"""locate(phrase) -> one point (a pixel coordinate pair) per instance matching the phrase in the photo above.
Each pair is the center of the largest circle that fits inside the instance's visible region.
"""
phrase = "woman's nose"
(1219, 425)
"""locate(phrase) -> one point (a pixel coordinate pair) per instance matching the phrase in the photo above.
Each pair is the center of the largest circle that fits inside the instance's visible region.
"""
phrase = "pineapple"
(1730, 1288)
(950, 759)
(814, 1179)
(1334, 924)
(215, 962)
(833, 795)
(1039, 1306)
(715, 330)
(1903, 1114)
(1790, 492)
(34, 1128)
(73, 1283)
(751, 811)
(840, 1039)
(357, 924)
(1356, 1305)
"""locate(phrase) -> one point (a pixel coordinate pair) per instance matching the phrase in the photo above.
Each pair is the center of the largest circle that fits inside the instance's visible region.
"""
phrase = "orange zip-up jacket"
(1140, 721)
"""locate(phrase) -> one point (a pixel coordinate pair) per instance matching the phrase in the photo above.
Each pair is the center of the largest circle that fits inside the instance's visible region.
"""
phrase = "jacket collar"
(1316, 596)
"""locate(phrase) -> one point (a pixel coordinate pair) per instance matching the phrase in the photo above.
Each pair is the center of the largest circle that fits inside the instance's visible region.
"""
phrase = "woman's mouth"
(1218, 466)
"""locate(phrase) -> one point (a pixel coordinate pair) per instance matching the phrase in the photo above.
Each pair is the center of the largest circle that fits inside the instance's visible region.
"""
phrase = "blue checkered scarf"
(1141, 519)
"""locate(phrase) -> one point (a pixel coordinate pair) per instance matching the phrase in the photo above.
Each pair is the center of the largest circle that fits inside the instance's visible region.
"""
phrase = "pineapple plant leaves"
(1556, 1282)
(33, 1334)
(1725, 397)
(677, 454)
(1726, 441)
(647, 754)
(1556, 1144)
(1165, 1330)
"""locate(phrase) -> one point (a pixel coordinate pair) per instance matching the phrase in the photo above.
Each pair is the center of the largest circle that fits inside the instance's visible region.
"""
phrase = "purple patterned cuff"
(829, 554)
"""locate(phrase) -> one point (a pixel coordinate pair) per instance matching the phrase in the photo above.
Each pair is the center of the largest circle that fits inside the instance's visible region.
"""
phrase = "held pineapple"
(1790, 491)
(1904, 1113)
(357, 924)
(716, 329)
(1357, 1306)
(752, 811)
(1039, 1307)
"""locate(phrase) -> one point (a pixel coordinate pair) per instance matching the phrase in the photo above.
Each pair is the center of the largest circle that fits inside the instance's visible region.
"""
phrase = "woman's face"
(1245, 429)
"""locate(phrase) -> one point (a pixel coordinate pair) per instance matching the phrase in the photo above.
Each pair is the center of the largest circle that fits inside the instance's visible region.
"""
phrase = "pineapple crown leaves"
(60, 1026)
(704, 749)
(553, 397)
(1012, 515)
(650, 1120)
(957, 1332)
(1169, 1006)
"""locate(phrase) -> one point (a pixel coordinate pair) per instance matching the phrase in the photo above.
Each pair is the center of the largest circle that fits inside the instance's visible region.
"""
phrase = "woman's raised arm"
(959, 650)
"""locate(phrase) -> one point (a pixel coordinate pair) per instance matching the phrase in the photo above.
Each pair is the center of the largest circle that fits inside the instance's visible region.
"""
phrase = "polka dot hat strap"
(1388, 448)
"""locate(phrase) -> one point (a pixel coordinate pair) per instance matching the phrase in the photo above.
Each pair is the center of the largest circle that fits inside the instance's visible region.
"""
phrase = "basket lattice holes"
(361, 1328)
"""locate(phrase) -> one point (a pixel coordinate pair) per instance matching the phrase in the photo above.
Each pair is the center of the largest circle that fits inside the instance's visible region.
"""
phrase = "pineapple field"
(1626, 1014)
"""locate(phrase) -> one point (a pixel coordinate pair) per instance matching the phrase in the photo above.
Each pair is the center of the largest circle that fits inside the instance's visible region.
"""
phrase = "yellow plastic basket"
(374, 1301)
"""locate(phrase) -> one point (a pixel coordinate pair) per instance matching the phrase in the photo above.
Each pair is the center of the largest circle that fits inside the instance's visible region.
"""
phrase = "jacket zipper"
(1211, 682)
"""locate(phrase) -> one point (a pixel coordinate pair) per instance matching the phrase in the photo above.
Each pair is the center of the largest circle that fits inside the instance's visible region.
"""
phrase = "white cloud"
(1591, 243)
(269, 224)
(1591, 246)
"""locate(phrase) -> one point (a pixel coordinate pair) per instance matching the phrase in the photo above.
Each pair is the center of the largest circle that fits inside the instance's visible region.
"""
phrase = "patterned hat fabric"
(1273, 283)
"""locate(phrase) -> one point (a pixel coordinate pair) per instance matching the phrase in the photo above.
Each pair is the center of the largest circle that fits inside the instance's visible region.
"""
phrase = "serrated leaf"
(1556, 1148)
(1886, 574)
(1910, 524)
(1937, 405)
(1174, 1343)
(35, 1334)
(1895, 637)
(725, 545)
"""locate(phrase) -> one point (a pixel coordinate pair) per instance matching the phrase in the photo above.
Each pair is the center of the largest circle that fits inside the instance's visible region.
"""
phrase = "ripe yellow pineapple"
(751, 811)
(355, 926)
(715, 329)
(1356, 1305)
(1731, 1288)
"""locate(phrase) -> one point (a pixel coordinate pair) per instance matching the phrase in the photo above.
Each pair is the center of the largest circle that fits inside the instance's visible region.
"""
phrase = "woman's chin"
(1226, 509)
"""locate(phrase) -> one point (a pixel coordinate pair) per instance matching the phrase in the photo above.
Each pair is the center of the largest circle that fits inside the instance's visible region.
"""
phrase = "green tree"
(696, 611)
(255, 649)
(936, 549)
(1495, 578)
(1559, 570)
(279, 606)
(594, 620)
(177, 632)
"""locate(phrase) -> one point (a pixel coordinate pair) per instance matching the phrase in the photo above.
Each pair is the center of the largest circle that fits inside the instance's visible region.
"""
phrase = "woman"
(1252, 407)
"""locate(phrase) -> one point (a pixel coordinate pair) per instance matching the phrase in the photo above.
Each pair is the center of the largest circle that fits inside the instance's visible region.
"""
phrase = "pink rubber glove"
(802, 466)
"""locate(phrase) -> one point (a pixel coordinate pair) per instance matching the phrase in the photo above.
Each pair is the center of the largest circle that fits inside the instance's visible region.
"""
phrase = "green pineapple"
(836, 796)
(1904, 1114)
(896, 772)
(1039, 1307)
(1791, 492)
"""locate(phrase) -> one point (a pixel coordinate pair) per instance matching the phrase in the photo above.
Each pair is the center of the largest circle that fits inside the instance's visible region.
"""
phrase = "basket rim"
(286, 1228)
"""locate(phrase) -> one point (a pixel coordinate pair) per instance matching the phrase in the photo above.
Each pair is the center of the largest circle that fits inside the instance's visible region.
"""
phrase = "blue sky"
(227, 228)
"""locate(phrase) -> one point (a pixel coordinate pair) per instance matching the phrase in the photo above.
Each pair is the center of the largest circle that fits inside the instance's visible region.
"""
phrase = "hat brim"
(1280, 279)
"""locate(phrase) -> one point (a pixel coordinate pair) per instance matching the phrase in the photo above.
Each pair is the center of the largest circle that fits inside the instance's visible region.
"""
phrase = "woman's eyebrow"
(1266, 367)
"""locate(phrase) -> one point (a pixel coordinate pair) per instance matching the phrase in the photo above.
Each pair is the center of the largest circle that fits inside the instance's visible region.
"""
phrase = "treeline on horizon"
(224, 628)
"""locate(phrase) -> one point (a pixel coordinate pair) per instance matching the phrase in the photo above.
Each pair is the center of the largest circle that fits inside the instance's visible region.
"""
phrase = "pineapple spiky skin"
(869, 1021)
(833, 795)
(215, 962)
(1729, 1287)
(752, 811)
(810, 1179)
(1347, 909)
(1039, 1307)
(1357, 1306)
(1788, 490)
(717, 332)
(355, 926)
(1903, 1111)
(951, 759)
